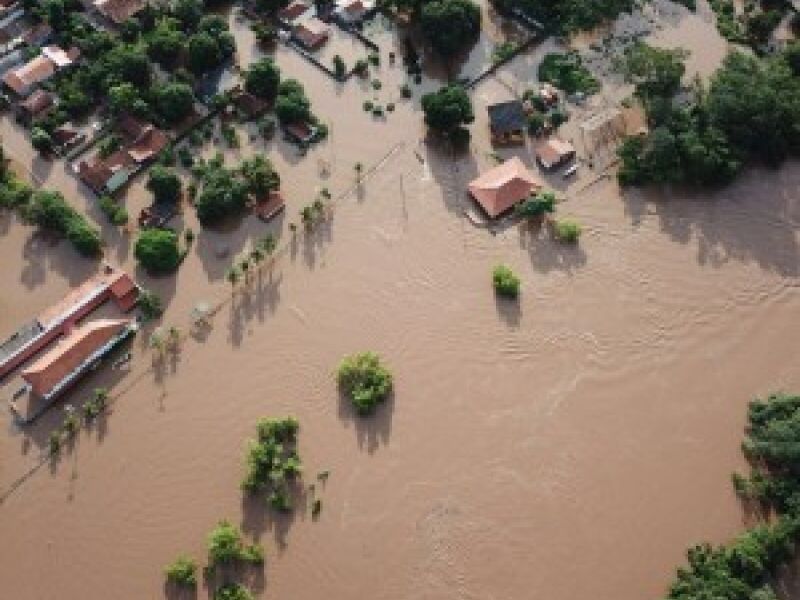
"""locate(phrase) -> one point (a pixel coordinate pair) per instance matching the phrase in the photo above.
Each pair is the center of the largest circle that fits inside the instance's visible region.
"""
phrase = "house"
(37, 35)
(119, 11)
(554, 152)
(311, 33)
(302, 133)
(247, 104)
(66, 137)
(110, 283)
(500, 188)
(266, 208)
(38, 104)
(507, 122)
(24, 79)
(142, 141)
(292, 13)
(71, 357)
(353, 11)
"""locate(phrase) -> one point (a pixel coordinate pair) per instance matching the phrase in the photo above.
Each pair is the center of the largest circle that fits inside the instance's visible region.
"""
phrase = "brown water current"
(569, 446)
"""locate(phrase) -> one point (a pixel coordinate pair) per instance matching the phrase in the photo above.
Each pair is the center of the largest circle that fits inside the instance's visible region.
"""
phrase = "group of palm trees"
(242, 268)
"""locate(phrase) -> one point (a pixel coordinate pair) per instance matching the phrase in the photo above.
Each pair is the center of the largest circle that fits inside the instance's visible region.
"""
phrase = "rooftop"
(119, 11)
(507, 117)
(502, 187)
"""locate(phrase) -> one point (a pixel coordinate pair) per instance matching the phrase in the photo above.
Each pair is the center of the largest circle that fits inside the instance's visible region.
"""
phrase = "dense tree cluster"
(272, 461)
(745, 569)
(447, 110)
(569, 15)
(566, 72)
(262, 79)
(450, 25)
(157, 250)
(750, 112)
(364, 380)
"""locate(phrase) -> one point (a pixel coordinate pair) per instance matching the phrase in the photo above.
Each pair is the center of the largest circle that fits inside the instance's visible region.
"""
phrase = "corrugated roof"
(502, 187)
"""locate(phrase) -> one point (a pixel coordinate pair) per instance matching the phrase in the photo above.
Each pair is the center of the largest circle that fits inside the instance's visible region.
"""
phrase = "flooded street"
(573, 445)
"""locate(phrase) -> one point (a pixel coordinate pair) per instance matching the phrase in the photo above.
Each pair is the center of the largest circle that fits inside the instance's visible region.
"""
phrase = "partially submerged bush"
(506, 283)
(113, 210)
(233, 591)
(536, 206)
(567, 231)
(150, 305)
(157, 250)
(272, 461)
(182, 572)
(225, 546)
(364, 380)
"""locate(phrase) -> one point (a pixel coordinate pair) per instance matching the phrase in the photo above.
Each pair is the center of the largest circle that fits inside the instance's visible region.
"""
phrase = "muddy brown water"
(571, 445)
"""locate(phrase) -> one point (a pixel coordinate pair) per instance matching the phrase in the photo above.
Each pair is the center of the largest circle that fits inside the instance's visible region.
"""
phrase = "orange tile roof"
(68, 354)
(502, 187)
(34, 71)
(552, 151)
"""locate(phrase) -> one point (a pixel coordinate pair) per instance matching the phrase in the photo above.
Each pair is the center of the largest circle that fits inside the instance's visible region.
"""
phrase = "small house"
(38, 104)
(507, 122)
(302, 133)
(24, 79)
(311, 33)
(502, 187)
(554, 152)
(353, 11)
(293, 12)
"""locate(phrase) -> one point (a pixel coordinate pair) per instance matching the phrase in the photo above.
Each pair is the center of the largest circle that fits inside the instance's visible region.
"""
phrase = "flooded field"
(572, 445)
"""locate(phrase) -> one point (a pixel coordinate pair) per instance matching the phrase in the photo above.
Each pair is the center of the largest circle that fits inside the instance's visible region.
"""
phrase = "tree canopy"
(157, 250)
(164, 184)
(259, 175)
(447, 109)
(262, 79)
(174, 101)
(450, 25)
(223, 194)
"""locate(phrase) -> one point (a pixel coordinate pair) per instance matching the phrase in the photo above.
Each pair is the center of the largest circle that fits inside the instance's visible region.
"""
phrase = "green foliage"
(744, 569)
(164, 184)
(174, 101)
(225, 546)
(223, 194)
(339, 67)
(50, 211)
(292, 105)
(656, 72)
(150, 304)
(233, 591)
(125, 98)
(565, 16)
(157, 250)
(504, 51)
(505, 282)
(41, 140)
(567, 231)
(259, 175)
(182, 572)
(752, 110)
(536, 206)
(113, 210)
(166, 42)
(566, 72)
(262, 79)
(447, 109)
(364, 380)
(450, 25)
(272, 461)
(54, 442)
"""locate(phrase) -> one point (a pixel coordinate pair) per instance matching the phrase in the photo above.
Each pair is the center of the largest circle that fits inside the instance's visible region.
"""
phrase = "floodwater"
(571, 445)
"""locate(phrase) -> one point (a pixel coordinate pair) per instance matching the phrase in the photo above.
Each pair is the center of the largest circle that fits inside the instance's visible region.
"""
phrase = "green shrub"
(506, 284)
(50, 211)
(157, 250)
(115, 212)
(225, 546)
(182, 572)
(150, 305)
(566, 72)
(567, 231)
(536, 206)
(233, 591)
(368, 105)
(364, 380)
(272, 461)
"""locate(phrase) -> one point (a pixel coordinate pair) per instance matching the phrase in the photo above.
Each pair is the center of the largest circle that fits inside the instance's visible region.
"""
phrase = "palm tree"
(173, 338)
(244, 266)
(359, 168)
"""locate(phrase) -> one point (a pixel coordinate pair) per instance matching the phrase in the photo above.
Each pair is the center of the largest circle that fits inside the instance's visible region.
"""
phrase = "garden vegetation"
(506, 283)
(272, 461)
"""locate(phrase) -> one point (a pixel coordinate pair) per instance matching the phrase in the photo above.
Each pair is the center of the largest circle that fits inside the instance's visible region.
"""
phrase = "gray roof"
(506, 117)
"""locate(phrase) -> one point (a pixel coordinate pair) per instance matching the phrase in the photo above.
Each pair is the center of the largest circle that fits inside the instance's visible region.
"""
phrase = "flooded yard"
(571, 445)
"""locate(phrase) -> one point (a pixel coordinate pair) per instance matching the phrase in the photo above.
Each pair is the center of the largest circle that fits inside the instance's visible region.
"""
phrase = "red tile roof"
(69, 353)
(119, 11)
(500, 188)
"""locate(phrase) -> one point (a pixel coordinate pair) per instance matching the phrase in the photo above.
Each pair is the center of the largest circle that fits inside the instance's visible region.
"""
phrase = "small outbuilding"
(507, 122)
(311, 33)
(500, 188)
(554, 152)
